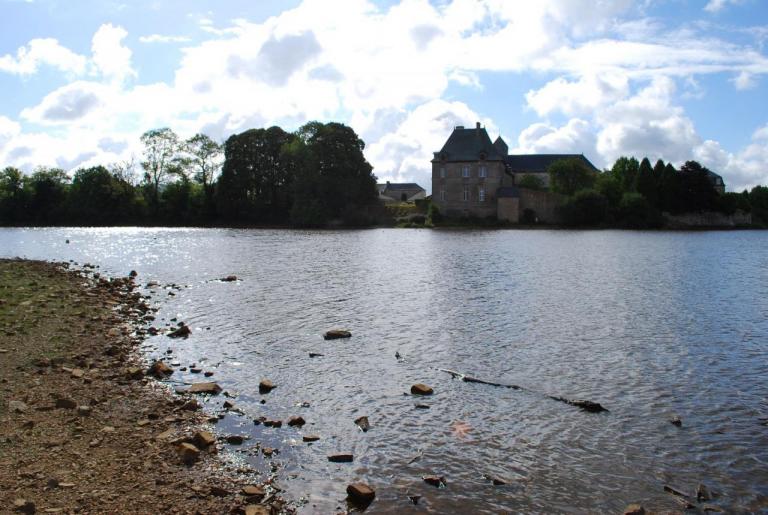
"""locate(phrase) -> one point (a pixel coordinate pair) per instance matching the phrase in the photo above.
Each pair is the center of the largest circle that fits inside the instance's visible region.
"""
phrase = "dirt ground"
(83, 428)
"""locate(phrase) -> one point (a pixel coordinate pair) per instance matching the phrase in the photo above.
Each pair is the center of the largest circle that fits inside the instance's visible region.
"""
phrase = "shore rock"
(296, 421)
(24, 506)
(254, 491)
(205, 388)
(362, 423)
(66, 403)
(340, 458)
(703, 493)
(437, 481)
(421, 389)
(634, 509)
(257, 509)
(235, 439)
(266, 386)
(676, 421)
(182, 332)
(310, 438)
(335, 334)
(189, 453)
(229, 279)
(160, 369)
(134, 373)
(204, 439)
(17, 406)
(361, 494)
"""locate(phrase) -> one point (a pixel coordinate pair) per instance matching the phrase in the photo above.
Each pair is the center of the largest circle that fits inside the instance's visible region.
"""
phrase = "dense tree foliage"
(635, 194)
(315, 176)
(567, 176)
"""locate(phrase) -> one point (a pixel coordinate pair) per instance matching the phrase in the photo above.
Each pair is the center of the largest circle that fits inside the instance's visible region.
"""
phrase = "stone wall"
(708, 219)
(508, 210)
(544, 205)
(452, 202)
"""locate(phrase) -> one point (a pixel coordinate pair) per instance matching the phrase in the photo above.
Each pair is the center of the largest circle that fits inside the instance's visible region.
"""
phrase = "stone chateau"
(473, 177)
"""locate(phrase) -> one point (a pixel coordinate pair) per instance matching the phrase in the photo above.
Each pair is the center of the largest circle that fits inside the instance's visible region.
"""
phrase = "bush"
(433, 214)
(531, 182)
(586, 208)
(637, 213)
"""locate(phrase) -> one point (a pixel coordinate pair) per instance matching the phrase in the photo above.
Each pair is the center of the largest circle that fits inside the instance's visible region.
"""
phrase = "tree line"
(311, 177)
(635, 193)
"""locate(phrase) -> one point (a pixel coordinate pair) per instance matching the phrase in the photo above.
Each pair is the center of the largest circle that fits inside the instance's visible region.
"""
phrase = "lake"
(650, 324)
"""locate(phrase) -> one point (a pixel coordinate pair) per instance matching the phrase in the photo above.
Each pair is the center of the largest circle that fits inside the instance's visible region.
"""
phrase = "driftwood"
(591, 407)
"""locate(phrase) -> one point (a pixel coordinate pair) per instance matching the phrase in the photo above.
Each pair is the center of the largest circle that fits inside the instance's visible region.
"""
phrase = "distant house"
(400, 192)
(473, 177)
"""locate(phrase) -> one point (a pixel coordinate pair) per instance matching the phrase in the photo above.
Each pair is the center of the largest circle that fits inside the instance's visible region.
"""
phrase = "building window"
(442, 172)
(465, 171)
(481, 194)
(442, 194)
(482, 172)
(466, 194)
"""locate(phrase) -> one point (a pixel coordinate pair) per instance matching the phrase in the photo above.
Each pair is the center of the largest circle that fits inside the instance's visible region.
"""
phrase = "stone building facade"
(473, 177)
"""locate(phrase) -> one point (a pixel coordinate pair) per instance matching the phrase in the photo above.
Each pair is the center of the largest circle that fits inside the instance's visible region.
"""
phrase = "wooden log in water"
(589, 406)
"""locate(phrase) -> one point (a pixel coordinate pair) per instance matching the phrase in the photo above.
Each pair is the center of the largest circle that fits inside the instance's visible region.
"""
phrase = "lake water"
(650, 324)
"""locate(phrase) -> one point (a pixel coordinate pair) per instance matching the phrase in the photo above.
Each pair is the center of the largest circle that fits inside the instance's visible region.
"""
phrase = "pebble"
(634, 509)
(310, 438)
(296, 421)
(340, 458)
(361, 494)
(210, 388)
(363, 424)
(335, 334)
(437, 481)
(421, 389)
(253, 491)
(189, 453)
(266, 386)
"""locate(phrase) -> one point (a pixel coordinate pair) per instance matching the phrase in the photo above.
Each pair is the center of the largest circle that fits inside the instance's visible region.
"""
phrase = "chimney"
(478, 125)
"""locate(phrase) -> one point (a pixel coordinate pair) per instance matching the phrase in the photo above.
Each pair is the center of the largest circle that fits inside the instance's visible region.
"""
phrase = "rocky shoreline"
(84, 427)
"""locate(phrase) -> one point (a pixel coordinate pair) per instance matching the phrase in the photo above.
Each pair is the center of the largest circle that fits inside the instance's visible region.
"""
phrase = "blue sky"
(670, 79)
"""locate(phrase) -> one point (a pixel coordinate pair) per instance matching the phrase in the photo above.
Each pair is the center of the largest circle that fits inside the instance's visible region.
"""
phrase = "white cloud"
(110, 58)
(386, 72)
(744, 81)
(68, 104)
(404, 152)
(8, 130)
(159, 38)
(714, 6)
(575, 137)
(46, 51)
(578, 97)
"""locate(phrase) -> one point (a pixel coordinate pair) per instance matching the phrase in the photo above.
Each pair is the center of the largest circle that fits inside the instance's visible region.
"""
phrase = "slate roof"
(467, 145)
(396, 186)
(539, 163)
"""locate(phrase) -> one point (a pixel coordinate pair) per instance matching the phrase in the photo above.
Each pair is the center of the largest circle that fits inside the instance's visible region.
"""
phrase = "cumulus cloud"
(614, 84)
(160, 38)
(575, 137)
(67, 104)
(111, 59)
(404, 152)
(8, 130)
(46, 51)
(578, 97)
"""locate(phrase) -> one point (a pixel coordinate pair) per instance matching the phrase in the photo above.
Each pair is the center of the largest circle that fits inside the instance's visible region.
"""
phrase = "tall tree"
(626, 169)
(646, 186)
(205, 160)
(255, 182)
(13, 196)
(161, 147)
(99, 197)
(335, 181)
(567, 176)
(49, 188)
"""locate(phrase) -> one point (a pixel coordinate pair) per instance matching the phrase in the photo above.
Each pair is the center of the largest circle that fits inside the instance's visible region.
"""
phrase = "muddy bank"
(82, 429)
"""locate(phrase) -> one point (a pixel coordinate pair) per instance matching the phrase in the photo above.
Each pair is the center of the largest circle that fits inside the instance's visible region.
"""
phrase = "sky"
(667, 79)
